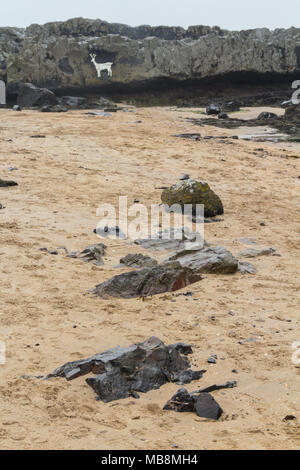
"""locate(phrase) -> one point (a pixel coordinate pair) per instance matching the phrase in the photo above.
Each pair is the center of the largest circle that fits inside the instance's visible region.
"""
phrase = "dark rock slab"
(138, 260)
(147, 281)
(267, 115)
(30, 96)
(207, 407)
(195, 136)
(7, 183)
(201, 403)
(125, 371)
(215, 260)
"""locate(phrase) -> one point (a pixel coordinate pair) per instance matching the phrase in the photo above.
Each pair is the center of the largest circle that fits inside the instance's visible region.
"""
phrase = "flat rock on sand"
(217, 260)
(147, 281)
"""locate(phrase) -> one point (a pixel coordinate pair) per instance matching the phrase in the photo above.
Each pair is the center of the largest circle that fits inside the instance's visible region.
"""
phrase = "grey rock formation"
(138, 368)
(147, 281)
(254, 252)
(57, 55)
(215, 260)
(138, 260)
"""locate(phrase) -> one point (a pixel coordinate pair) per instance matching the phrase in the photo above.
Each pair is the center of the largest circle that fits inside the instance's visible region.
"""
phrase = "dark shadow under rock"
(125, 371)
(216, 260)
(137, 260)
(147, 281)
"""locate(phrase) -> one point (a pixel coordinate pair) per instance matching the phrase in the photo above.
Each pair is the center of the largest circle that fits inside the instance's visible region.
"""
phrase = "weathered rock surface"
(215, 260)
(56, 55)
(147, 281)
(138, 260)
(30, 96)
(193, 192)
(254, 252)
(91, 253)
(171, 240)
(246, 268)
(139, 368)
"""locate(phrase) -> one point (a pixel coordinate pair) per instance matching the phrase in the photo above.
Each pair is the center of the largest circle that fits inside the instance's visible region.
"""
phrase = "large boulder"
(193, 192)
(147, 281)
(30, 96)
(214, 260)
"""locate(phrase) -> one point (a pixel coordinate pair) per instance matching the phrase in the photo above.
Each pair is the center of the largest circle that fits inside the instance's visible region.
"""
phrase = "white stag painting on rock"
(100, 67)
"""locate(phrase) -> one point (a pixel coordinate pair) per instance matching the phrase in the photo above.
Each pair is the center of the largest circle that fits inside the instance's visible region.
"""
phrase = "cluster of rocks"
(200, 401)
(33, 97)
(220, 111)
(123, 372)
(289, 123)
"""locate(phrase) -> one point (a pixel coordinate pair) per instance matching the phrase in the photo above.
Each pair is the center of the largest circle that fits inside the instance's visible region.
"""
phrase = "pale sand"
(43, 296)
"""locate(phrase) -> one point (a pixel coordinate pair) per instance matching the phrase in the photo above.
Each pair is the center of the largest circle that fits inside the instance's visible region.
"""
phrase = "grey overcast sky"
(229, 14)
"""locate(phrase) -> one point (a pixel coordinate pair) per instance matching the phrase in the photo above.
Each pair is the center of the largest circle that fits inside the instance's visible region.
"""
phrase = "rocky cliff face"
(59, 55)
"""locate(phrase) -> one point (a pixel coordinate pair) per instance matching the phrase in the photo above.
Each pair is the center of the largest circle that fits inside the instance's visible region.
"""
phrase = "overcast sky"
(229, 14)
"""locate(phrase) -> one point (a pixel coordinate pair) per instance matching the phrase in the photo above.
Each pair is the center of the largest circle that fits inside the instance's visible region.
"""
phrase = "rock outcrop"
(59, 55)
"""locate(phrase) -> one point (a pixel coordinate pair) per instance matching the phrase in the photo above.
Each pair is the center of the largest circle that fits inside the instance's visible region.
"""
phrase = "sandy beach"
(47, 316)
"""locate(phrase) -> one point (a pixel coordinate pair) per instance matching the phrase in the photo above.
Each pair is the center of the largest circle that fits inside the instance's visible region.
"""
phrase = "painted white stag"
(100, 67)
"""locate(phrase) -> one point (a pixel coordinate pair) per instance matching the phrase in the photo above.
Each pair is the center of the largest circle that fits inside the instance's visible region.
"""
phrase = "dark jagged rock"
(30, 96)
(7, 183)
(138, 260)
(125, 371)
(207, 407)
(147, 281)
(193, 192)
(215, 260)
(213, 109)
(200, 402)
